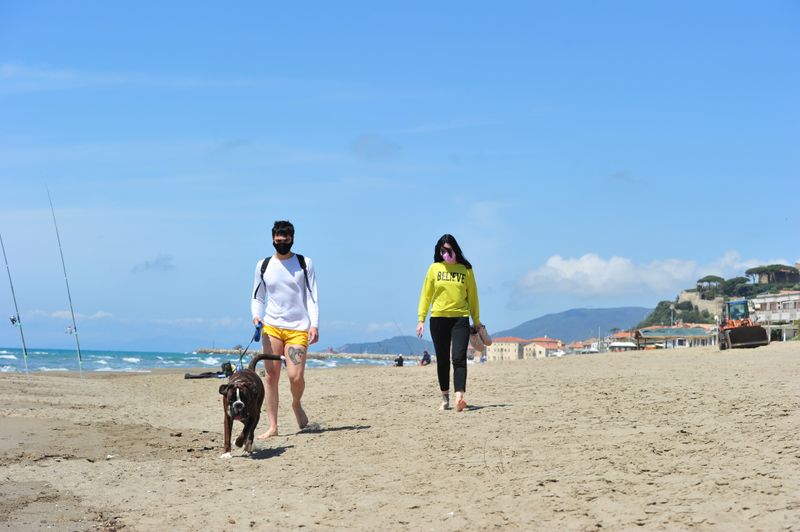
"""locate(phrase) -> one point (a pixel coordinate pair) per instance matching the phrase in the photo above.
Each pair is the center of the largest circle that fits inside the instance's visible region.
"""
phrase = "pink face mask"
(448, 257)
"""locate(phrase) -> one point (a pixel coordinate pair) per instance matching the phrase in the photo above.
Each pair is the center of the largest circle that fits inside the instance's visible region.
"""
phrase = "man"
(285, 302)
(426, 359)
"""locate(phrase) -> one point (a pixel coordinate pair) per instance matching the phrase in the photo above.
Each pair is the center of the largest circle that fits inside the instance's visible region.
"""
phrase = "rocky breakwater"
(318, 356)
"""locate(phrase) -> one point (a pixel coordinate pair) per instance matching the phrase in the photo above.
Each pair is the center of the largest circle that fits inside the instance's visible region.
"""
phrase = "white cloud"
(592, 275)
(379, 327)
(208, 323)
(25, 78)
(67, 315)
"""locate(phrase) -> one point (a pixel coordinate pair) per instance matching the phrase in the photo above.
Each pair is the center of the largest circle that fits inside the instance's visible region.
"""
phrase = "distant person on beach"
(450, 286)
(398, 362)
(426, 359)
(285, 301)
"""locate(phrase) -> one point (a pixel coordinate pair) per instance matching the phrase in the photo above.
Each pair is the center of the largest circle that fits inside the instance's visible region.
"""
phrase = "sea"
(44, 360)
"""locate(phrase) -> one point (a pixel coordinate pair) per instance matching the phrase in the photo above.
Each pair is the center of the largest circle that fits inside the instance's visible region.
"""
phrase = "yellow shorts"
(287, 336)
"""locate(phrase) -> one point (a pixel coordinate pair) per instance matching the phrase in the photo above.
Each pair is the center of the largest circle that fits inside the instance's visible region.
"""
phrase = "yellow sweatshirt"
(453, 291)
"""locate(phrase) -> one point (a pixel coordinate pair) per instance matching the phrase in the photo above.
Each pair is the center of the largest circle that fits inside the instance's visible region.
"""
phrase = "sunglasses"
(448, 250)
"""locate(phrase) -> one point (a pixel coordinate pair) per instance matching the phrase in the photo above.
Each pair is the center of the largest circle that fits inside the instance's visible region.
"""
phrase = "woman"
(450, 286)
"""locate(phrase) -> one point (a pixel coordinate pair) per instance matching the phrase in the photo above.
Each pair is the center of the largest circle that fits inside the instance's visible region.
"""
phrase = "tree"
(776, 273)
(710, 280)
(708, 287)
(661, 315)
(755, 273)
(730, 286)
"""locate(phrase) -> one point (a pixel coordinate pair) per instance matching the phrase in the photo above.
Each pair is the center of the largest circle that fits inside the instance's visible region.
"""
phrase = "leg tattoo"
(296, 354)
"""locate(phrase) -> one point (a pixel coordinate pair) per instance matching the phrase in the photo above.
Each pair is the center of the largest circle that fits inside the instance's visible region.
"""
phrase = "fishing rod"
(410, 351)
(15, 320)
(74, 329)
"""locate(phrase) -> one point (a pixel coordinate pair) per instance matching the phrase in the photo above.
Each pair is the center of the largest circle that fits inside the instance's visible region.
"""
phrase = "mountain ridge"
(578, 323)
(568, 326)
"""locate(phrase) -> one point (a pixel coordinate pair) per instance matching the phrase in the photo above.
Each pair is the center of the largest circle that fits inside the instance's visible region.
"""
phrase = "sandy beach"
(678, 439)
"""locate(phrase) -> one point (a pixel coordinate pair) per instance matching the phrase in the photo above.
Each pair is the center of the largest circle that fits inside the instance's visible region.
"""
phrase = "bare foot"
(445, 401)
(300, 414)
(461, 405)
(273, 431)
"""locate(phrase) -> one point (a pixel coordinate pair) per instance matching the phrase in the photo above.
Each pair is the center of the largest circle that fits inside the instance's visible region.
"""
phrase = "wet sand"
(678, 439)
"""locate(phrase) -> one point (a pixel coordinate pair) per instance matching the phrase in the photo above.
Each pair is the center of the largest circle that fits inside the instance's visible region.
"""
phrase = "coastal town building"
(506, 348)
(534, 350)
(622, 336)
(513, 348)
(778, 312)
(577, 346)
(676, 337)
(619, 346)
(783, 275)
(777, 308)
(550, 344)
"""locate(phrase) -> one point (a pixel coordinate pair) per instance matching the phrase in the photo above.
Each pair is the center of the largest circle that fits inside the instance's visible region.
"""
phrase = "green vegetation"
(775, 273)
(777, 277)
(668, 313)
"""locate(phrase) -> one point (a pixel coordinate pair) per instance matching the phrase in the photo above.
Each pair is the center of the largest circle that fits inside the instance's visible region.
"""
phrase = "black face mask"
(283, 248)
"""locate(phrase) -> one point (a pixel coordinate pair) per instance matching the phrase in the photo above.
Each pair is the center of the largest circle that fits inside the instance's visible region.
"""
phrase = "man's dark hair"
(283, 228)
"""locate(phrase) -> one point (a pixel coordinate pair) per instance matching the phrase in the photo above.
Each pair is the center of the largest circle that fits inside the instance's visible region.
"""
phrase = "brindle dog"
(242, 398)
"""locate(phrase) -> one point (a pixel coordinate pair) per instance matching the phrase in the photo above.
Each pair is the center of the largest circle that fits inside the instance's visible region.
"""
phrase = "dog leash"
(256, 338)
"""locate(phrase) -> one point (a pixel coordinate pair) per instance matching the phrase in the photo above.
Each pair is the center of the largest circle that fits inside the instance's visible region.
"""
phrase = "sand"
(678, 439)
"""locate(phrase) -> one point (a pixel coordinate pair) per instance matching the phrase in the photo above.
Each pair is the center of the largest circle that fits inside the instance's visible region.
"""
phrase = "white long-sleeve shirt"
(289, 303)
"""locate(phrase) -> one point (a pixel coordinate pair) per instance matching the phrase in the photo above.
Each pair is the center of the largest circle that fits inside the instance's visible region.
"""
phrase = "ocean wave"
(369, 361)
(52, 369)
(132, 360)
(102, 362)
(124, 370)
(209, 361)
(314, 363)
(3, 351)
(39, 353)
(8, 357)
(8, 369)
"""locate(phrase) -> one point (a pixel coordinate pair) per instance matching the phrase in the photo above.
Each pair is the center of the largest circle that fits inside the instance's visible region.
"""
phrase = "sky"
(584, 154)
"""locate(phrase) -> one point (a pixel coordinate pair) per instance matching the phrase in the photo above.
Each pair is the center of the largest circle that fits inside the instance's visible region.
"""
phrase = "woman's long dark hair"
(450, 239)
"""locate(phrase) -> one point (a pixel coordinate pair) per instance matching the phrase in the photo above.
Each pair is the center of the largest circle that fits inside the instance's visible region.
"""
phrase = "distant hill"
(405, 345)
(578, 323)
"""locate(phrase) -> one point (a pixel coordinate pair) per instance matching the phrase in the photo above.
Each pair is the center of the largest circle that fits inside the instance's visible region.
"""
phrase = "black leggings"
(443, 331)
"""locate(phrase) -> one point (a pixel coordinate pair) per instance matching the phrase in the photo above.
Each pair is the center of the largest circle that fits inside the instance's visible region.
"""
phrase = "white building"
(778, 313)
(783, 307)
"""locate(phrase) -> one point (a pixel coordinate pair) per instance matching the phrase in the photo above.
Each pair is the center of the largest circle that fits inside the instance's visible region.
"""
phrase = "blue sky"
(585, 154)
